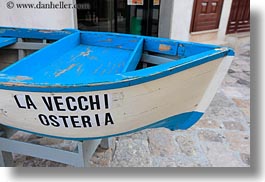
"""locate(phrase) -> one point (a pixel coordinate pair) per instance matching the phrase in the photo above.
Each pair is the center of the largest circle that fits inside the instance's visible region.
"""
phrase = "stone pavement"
(220, 139)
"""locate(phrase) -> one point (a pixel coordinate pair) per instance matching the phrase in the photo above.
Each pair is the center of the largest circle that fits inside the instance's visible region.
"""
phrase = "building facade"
(188, 20)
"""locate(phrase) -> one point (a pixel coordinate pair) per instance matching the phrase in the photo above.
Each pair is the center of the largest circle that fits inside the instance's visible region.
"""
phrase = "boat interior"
(71, 54)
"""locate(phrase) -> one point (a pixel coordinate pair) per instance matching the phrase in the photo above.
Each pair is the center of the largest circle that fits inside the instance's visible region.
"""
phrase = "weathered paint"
(93, 83)
(127, 109)
(77, 52)
(34, 33)
(85, 85)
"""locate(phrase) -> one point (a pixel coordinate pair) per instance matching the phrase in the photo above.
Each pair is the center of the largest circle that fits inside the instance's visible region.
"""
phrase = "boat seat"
(79, 57)
(6, 41)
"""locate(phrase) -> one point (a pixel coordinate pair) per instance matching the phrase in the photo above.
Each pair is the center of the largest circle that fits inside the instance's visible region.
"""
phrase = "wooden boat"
(87, 85)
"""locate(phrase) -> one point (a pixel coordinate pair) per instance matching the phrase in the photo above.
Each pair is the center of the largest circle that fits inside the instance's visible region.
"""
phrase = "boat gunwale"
(23, 83)
(119, 80)
(34, 33)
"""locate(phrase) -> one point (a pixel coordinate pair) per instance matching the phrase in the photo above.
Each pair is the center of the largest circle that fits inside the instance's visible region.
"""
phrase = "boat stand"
(80, 157)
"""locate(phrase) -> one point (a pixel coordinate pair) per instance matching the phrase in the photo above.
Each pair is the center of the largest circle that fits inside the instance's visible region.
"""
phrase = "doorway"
(239, 20)
(206, 15)
(120, 16)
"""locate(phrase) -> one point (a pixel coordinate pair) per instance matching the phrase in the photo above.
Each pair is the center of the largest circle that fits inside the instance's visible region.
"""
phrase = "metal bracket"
(181, 50)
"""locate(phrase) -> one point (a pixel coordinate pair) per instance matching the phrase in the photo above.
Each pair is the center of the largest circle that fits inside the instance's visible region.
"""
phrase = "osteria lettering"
(83, 111)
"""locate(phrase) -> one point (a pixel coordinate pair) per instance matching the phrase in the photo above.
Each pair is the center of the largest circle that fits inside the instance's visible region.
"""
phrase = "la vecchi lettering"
(70, 104)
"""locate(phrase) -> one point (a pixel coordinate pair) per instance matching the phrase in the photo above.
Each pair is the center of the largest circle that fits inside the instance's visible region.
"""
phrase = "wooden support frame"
(27, 45)
(78, 158)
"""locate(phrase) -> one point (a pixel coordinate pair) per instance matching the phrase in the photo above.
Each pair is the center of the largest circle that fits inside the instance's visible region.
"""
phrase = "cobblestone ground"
(220, 139)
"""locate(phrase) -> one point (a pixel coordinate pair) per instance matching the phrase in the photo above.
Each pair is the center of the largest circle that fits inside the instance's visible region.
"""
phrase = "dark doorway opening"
(118, 16)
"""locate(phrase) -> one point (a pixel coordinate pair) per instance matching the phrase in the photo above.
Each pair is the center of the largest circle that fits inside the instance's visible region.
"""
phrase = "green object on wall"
(136, 26)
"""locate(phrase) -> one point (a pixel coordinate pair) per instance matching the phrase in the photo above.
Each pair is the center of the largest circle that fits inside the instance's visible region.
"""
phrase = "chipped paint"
(99, 67)
(57, 74)
(22, 78)
(221, 49)
(53, 31)
(164, 47)
(17, 84)
(134, 40)
(80, 69)
(87, 52)
(144, 102)
(107, 40)
(45, 31)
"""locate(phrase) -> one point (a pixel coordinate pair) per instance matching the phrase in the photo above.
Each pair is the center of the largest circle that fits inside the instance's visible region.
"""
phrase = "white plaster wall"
(181, 19)
(224, 19)
(182, 15)
(37, 18)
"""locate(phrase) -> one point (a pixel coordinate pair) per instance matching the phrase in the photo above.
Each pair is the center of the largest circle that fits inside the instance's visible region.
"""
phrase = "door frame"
(195, 2)
(237, 24)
